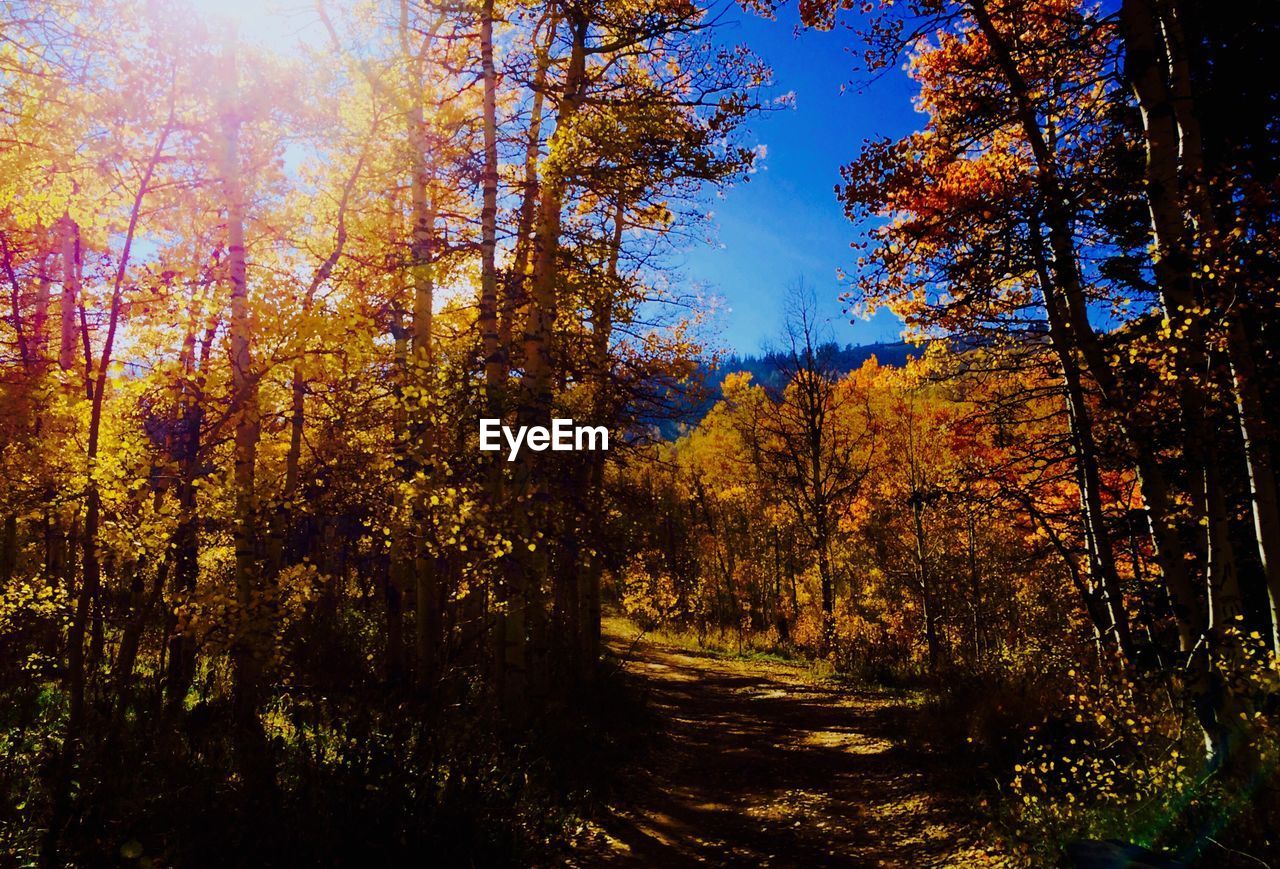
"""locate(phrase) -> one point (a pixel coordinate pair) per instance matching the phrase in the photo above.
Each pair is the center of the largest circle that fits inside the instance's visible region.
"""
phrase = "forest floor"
(761, 763)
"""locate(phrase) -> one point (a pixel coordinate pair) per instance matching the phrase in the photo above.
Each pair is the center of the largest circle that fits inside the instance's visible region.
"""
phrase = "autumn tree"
(816, 439)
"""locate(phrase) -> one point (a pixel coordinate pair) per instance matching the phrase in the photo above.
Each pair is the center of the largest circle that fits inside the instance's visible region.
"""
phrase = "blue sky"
(785, 223)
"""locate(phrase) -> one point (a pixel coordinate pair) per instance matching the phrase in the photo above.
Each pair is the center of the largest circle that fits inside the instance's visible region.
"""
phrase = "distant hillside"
(767, 369)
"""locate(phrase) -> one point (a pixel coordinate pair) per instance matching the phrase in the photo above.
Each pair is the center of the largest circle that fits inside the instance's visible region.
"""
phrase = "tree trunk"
(828, 641)
(928, 605)
(1098, 541)
(70, 293)
(495, 317)
(540, 328)
(9, 548)
(1262, 480)
(26, 344)
(143, 605)
(247, 656)
(525, 580)
(975, 592)
(181, 664)
(425, 570)
(601, 334)
(492, 349)
(517, 275)
(398, 556)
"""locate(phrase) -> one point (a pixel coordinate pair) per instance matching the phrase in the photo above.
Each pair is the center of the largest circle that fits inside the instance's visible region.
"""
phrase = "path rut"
(759, 764)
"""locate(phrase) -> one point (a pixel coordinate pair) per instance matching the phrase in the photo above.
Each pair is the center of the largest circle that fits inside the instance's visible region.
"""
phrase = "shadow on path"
(760, 767)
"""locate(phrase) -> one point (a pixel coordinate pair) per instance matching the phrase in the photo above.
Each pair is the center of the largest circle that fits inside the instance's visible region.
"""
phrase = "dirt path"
(761, 766)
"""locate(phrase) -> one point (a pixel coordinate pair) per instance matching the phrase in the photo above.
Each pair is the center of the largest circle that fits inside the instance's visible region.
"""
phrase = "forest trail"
(761, 765)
